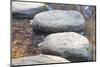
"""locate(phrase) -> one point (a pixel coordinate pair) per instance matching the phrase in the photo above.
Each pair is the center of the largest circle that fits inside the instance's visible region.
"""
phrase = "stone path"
(62, 43)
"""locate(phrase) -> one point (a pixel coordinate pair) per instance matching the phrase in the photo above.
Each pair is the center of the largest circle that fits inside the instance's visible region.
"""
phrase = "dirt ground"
(22, 44)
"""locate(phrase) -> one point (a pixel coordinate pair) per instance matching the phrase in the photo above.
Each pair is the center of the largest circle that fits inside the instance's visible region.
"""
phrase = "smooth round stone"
(27, 9)
(58, 21)
(38, 59)
(69, 45)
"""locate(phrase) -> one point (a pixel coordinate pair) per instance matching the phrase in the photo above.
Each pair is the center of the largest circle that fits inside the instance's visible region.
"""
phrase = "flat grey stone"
(58, 21)
(69, 45)
(38, 59)
(27, 9)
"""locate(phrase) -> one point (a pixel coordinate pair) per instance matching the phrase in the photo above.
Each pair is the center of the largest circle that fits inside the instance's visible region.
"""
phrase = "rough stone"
(58, 21)
(38, 59)
(69, 45)
(27, 9)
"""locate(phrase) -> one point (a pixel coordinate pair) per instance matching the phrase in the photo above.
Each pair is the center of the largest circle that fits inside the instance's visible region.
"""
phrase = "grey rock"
(69, 45)
(38, 59)
(58, 21)
(27, 9)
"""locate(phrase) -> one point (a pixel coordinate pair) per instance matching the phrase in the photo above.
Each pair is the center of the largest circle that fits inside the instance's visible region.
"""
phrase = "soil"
(22, 36)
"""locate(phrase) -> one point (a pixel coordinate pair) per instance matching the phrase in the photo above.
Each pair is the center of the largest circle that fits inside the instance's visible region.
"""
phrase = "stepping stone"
(38, 59)
(69, 45)
(58, 21)
(27, 9)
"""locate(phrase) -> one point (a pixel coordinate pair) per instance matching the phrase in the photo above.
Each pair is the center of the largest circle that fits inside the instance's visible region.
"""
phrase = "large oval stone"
(38, 59)
(69, 45)
(27, 9)
(58, 21)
